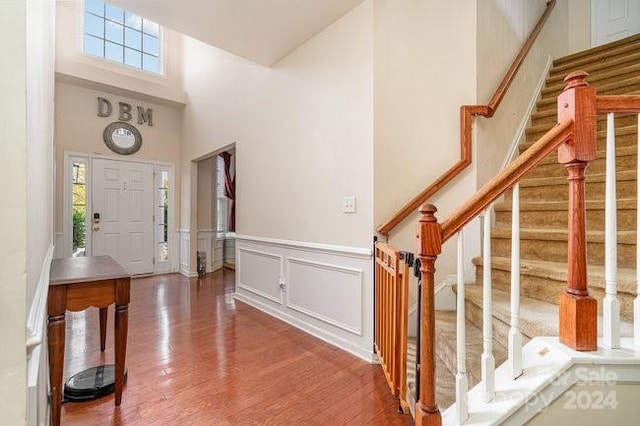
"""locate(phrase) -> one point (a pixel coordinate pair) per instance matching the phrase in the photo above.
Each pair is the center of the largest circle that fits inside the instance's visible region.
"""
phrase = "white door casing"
(123, 196)
(613, 20)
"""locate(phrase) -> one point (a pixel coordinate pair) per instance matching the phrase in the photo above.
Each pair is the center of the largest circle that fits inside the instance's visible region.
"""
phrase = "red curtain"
(229, 191)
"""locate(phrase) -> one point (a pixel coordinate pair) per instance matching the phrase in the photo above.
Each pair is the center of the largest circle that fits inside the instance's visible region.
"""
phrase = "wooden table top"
(71, 270)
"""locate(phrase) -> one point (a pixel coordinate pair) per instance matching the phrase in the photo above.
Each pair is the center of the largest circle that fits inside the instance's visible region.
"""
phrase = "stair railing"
(391, 317)
(574, 137)
(467, 113)
(611, 105)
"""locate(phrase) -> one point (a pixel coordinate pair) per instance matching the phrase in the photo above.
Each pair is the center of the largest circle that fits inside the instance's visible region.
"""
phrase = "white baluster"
(461, 376)
(515, 337)
(636, 302)
(611, 305)
(487, 360)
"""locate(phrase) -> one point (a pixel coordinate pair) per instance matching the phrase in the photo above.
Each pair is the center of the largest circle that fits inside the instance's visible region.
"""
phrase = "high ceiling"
(263, 31)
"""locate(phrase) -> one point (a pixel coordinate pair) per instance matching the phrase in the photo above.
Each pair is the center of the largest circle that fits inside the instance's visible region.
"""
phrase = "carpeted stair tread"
(595, 78)
(446, 332)
(555, 205)
(445, 380)
(537, 318)
(556, 234)
(624, 175)
(599, 53)
(597, 67)
(602, 118)
(558, 271)
(552, 101)
(626, 133)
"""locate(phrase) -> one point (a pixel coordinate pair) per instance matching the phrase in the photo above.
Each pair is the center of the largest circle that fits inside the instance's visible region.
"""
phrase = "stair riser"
(559, 219)
(560, 191)
(549, 289)
(557, 251)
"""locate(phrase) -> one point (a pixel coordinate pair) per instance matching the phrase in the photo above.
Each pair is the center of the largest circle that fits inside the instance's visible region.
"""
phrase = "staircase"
(613, 69)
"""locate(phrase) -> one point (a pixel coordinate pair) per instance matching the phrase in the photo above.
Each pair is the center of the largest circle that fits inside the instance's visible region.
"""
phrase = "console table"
(76, 284)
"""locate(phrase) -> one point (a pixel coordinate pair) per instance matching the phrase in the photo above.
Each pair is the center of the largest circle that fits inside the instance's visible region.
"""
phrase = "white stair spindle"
(461, 376)
(515, 337)
(636, 302)
(610, 304)
(487, 360)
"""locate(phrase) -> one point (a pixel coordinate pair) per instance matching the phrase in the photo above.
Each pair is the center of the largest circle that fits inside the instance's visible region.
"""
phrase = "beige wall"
(13, 245)
(425, 68)
(79, 129)
(302, 129)
(26, 153)
(502, 29)
(74, 65)
(579, 25)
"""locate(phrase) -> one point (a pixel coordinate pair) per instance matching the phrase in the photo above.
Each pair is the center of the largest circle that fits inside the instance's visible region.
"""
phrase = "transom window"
(118, 35)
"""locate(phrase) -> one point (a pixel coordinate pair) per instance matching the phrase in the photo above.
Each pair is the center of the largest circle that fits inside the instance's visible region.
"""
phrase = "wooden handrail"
(549, 142)
(467, 112)
(620, 104)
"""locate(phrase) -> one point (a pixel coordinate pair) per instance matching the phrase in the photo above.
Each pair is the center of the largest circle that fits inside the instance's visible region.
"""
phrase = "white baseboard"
(326, 291)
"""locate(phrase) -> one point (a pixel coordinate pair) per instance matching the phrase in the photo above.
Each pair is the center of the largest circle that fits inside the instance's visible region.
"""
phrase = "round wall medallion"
(122, 138)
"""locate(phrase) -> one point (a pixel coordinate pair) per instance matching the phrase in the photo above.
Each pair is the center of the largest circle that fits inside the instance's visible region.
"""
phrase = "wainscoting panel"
(324, 290)
(312, 289)
(261, 274)
(185, 263)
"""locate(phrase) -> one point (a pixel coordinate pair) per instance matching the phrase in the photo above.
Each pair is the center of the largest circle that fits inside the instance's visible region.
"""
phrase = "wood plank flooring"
(196, 356)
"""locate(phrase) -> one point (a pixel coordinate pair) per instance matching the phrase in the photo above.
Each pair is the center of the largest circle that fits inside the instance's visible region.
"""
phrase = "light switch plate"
(349, 204)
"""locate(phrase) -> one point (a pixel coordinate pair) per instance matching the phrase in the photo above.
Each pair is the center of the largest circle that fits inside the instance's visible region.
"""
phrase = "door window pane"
(79, 208)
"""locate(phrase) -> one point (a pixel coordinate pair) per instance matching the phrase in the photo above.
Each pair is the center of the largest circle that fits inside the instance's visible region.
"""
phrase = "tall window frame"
(222, 202)
(119, 36)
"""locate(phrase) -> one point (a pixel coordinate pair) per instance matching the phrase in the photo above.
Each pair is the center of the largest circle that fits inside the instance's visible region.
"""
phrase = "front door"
(123, 213)
(613, 20)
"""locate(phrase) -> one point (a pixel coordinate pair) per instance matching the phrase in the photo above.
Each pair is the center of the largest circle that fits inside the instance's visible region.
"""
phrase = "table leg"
(56, 306)
(103, 328)
(121, 326)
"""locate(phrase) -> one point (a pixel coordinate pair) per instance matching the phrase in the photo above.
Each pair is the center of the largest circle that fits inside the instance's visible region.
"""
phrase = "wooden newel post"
(578, 310)
(429, 247)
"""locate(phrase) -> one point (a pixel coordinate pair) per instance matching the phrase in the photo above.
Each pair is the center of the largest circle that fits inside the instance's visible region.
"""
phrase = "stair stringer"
(550, 369)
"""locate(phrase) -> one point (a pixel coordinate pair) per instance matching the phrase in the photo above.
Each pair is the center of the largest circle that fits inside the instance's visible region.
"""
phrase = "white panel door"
(123, 198)
(613, 20)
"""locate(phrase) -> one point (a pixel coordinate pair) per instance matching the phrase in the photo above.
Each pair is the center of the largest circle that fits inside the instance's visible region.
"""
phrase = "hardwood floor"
(196, 356)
